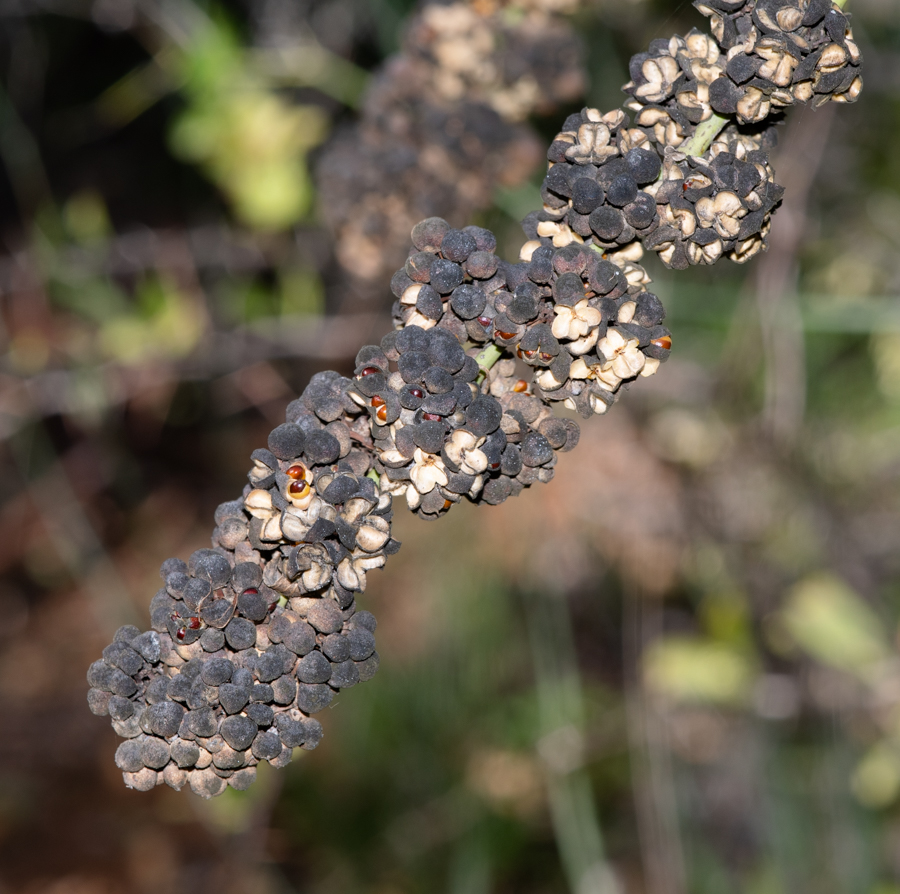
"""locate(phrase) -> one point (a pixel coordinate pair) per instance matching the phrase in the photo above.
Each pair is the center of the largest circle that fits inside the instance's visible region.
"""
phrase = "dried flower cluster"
(252, 637)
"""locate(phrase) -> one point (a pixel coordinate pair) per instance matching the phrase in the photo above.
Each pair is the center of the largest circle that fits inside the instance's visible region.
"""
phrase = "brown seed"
(431, 417)
(298, 489)
(369, 371)
(417, 392)
(664, 341)
(520, 386)
(377, 401)
(296, 471)
(505, 335)
(381, 413)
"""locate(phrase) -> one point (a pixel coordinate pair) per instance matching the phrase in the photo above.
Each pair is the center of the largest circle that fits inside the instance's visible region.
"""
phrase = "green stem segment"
(703, 136)
(488, 357)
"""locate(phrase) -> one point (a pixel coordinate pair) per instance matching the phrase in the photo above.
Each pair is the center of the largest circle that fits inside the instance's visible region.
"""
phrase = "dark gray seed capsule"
(418, 266)
(262, 715)
(211, 640)
(322, 448)
(179, 688)
(411, 338)
(154, 753)
(233, 699)
(147, 645)
(341, 489)
(313, 668)
(622, 191)
(163, 719)
(587, 195)
(215, 613)
(412, 365)
(568, 289)
(467, 301)
(496, 491)
(400, 282)
(457, 245)
(286, 441)
(343, 675)
(336, 647)
(121, 684)
(196, 590)
(437, 380)
(128, 632)
(481, 265)
(446, 276)
(185, 754)
(123, 657)
(291, 732)
(170, 566)
(120, 708)
(429, 304)
(98, 702)
(724, 95)
(262, 693)
(429, 435)
(176, 582)
(364, 619)
(362, 643)
(268, 666)
(216, 671)
(301, 638)
(368, 667)
(238, 731)
(643, 165)
(229, 759)
(157, 691)
(483, 416)
(206, 784)
(325, 617)
(240, 634)
(266, 746)
(202, 722)
(444, 350)
(284, 690)
(128, 756)
(313, 697)
(373, 383)
(99, 675)
(429, 233)
(242, 779)
(641, 212)
(607, 222)
(210, 565)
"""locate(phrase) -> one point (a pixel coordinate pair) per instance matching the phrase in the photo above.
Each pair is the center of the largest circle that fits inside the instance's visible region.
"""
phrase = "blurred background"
(673, 670)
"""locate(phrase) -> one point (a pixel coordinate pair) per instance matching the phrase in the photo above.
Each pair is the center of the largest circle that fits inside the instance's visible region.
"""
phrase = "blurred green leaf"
(687, 668)
(830, 622)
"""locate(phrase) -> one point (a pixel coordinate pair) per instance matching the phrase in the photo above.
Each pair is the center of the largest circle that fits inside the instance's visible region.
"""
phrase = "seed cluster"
(629, 185)
(252, 637)
(442, 124)
(776, 53)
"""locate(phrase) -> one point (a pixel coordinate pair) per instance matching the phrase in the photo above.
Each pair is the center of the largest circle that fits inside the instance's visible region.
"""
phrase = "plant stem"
(488, 357)
(703, 136)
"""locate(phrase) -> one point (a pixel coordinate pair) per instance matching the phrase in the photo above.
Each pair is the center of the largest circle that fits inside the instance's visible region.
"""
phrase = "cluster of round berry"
(776, 53)
(443, 123)
(627, 186)
(252, 637)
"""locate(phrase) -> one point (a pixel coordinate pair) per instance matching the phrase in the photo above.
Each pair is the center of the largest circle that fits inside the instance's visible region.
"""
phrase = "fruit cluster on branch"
(252, 637)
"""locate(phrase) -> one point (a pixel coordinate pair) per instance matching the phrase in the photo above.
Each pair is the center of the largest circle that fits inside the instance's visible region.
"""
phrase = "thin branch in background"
(561, 745)
(651, 769)
(776, 277)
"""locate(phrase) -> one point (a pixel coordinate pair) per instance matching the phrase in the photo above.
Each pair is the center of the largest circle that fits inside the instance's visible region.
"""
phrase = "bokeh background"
(673, 670)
